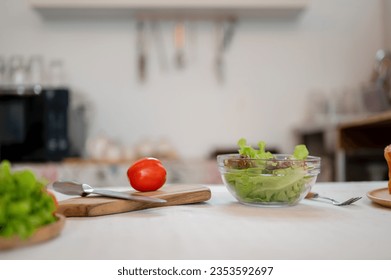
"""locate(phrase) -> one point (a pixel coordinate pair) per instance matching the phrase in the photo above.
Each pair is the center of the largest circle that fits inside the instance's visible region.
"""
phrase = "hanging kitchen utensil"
(179, 41)
(191, 43)
(224, 34)
(219, 60)
(377, 95)
(159, 44)
(141, 51)
(384, 73)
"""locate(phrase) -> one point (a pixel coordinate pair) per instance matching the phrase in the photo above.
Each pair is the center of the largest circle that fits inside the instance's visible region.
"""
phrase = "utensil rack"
(224, 13)
(170, 8)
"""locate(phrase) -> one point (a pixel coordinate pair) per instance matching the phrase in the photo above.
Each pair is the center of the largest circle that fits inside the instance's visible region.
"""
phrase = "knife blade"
(75, 188)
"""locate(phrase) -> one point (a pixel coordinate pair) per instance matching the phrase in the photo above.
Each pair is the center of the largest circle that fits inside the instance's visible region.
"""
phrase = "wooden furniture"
(366, 137)
(373, 132)
(350, 150)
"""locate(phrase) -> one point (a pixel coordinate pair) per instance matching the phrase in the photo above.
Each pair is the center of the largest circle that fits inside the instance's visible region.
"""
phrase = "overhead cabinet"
(237, 8)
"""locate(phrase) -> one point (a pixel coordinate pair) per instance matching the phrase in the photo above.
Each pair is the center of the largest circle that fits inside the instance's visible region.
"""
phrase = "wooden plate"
(380, 196)
(40, 235)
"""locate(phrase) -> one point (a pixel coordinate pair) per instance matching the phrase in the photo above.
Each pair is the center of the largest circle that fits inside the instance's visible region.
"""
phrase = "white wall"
(272, 67)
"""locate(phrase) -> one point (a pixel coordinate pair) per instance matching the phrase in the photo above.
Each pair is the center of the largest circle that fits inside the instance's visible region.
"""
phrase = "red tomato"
(147, 174)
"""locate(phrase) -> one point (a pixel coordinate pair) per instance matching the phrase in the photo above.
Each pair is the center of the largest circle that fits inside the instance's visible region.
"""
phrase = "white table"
(224, 229)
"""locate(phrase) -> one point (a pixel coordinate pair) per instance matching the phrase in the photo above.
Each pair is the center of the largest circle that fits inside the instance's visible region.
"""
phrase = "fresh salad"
(258, 176)
(25, 204)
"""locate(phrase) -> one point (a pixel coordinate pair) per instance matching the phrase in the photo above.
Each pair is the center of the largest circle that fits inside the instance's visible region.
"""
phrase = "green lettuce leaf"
(24, 203)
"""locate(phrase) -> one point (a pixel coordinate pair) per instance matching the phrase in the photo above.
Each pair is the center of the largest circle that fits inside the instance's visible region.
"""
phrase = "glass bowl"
(281, 181)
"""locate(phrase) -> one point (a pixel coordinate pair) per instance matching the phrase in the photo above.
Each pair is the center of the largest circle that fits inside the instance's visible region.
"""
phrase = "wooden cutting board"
(94, 205)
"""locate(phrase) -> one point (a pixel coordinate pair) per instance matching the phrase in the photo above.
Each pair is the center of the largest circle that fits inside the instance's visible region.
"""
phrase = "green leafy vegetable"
(25, 204)
(300, 152)
(250, 152)
(258, 176)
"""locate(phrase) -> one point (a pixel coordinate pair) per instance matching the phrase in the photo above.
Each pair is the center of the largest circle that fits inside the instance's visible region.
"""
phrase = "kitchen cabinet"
(371, 132)
(235, 8)
(361, 143)
(350, 150)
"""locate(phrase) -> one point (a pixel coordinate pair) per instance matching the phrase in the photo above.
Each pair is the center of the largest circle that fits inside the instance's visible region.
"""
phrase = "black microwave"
(34, 125)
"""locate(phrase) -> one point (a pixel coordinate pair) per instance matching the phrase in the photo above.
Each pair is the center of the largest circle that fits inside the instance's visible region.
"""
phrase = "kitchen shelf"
(351, 150)
(372, 132)
(173, 8)
(363, 141)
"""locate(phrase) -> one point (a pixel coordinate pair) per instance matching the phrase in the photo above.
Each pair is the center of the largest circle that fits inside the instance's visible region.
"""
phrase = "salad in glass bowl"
(260, 178)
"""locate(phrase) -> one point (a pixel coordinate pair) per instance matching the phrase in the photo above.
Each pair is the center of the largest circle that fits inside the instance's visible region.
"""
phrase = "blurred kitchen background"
(184, 80)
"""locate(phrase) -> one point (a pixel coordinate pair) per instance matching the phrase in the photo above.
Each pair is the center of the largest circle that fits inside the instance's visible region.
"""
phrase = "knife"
(75, 188)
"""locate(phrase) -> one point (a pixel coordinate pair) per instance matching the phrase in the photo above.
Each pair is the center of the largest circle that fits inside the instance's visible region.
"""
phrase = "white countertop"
(221, 228)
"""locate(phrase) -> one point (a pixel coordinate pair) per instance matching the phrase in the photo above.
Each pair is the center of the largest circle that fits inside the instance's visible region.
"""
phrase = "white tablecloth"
(224, 229)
